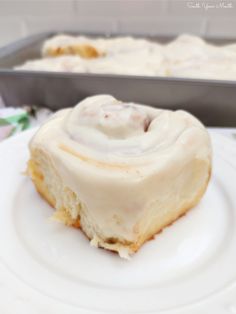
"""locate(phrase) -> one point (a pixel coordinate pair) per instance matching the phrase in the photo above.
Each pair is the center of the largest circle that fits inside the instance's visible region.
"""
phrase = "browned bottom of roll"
(50, 186)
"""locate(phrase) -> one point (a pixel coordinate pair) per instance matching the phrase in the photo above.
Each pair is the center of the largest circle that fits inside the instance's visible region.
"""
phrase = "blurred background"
(153, 17)
(212, 102)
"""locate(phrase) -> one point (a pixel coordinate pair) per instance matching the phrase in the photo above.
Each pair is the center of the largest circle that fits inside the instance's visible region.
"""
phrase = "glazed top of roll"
(104, 129)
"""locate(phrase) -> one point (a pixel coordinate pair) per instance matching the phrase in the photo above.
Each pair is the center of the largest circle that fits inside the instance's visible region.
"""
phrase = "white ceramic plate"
(46, 267)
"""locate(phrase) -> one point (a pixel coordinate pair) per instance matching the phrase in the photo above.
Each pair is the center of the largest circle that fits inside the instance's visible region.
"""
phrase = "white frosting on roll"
(121, 158)
(60, 64)
(104, 124)
(186, 56)
(190, 56)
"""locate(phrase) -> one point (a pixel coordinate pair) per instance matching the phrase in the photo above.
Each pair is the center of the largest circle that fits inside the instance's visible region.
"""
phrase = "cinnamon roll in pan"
(120, 171)
(62, 45)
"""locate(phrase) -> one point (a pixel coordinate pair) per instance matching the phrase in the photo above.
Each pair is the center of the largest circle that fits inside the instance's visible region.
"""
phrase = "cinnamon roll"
(120, 171)
(69, 45)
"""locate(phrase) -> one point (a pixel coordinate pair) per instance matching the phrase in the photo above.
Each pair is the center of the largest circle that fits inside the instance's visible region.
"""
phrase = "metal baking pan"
(212, 101)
